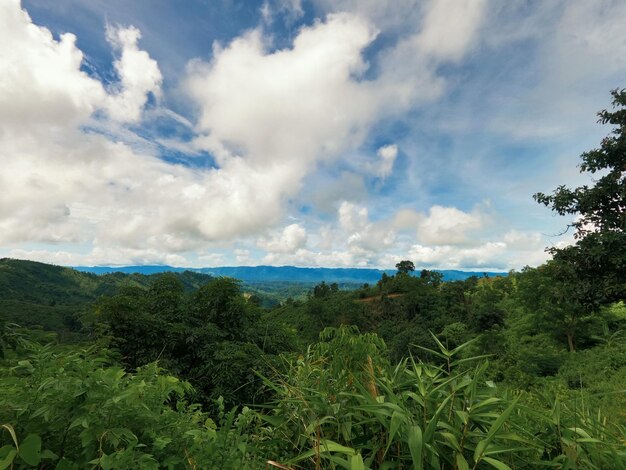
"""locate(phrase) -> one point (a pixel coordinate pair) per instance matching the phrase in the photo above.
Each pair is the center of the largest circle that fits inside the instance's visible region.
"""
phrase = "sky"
(336, 133)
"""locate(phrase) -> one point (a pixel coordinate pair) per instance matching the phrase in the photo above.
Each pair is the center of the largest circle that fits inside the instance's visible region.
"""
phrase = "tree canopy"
(405, 266)
(599, 255)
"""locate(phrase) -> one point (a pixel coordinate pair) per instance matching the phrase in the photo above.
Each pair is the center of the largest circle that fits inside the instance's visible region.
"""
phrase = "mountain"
(38, 294)
(284, 273)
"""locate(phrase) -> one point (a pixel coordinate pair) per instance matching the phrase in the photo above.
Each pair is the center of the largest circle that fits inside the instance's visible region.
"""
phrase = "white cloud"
(488, 255)
(359, 232)
(310, 258)
(61, 184)
(110, 257)
(291, 106)
(423, 36)
(448, 226)
(387, 155)
(523, 240)
(138, 74)
(41, 82)
(406, 219)
(292, 238)
(450, 27)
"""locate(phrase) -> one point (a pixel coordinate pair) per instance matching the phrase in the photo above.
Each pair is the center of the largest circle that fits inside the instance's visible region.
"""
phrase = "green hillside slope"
(50, 297)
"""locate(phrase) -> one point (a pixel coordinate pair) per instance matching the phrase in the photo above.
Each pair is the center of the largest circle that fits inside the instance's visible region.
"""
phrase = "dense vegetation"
(525, 371)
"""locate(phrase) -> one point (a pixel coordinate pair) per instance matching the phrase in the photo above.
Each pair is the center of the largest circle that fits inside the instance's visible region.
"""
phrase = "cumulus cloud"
(292, 238)
(489, 255)
(512, 250)
(406, 219)
(448, 226)
(41, 82)
(279, 113)
(360, 233)
(138, 73)
(110, 256)
(291, 106)
(62, 184)
(423, 36)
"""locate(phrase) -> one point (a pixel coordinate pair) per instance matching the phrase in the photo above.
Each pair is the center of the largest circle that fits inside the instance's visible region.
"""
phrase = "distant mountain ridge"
(284, 273)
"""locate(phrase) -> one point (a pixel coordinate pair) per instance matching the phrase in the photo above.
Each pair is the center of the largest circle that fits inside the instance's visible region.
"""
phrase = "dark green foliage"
(598, 259)
(55, 298)
(548, 293)
(405, 267)
(75, 409)
(221, 303)
(214, 337)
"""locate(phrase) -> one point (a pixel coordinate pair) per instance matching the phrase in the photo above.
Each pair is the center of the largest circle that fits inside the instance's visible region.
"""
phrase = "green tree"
(405, 266)
(165, 296)
(221, 302)
(431, 277)
(599, 255)
(322, 290)
(548, 293)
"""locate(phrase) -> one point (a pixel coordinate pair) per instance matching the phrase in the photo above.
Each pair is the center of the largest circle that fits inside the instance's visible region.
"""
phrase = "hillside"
(38, 294)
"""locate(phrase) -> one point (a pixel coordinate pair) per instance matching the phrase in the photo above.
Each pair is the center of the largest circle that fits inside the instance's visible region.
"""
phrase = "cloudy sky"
(311, 133)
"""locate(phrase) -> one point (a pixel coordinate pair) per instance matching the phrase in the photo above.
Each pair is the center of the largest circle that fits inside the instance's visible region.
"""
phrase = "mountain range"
(283, 273)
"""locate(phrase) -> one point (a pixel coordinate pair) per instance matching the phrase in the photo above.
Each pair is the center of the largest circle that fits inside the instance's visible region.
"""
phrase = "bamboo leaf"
(415, 446)
(482, 445)
(461, 463)
(496, 463)
(397, 419)
(356, 462)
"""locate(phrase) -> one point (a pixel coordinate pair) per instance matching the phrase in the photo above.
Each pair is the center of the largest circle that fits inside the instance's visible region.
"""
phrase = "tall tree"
(598, 257)
(405, 266)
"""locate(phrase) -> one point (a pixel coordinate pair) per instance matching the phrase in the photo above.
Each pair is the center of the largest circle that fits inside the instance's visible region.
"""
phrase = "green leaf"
(397, 419)
(356, 462)
(30, 450)
(326, 446)
(451, 438)
(48, 454)
(7, 455)
(415, 446)
(496, 463)
(461, 463)
(9, 428)
(482, 445)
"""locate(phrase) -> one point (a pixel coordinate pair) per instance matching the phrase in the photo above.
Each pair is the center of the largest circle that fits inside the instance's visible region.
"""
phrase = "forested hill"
(39, 294)
(285, 273)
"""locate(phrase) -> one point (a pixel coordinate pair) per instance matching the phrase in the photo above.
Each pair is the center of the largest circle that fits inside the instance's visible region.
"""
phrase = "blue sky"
(321, 133)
